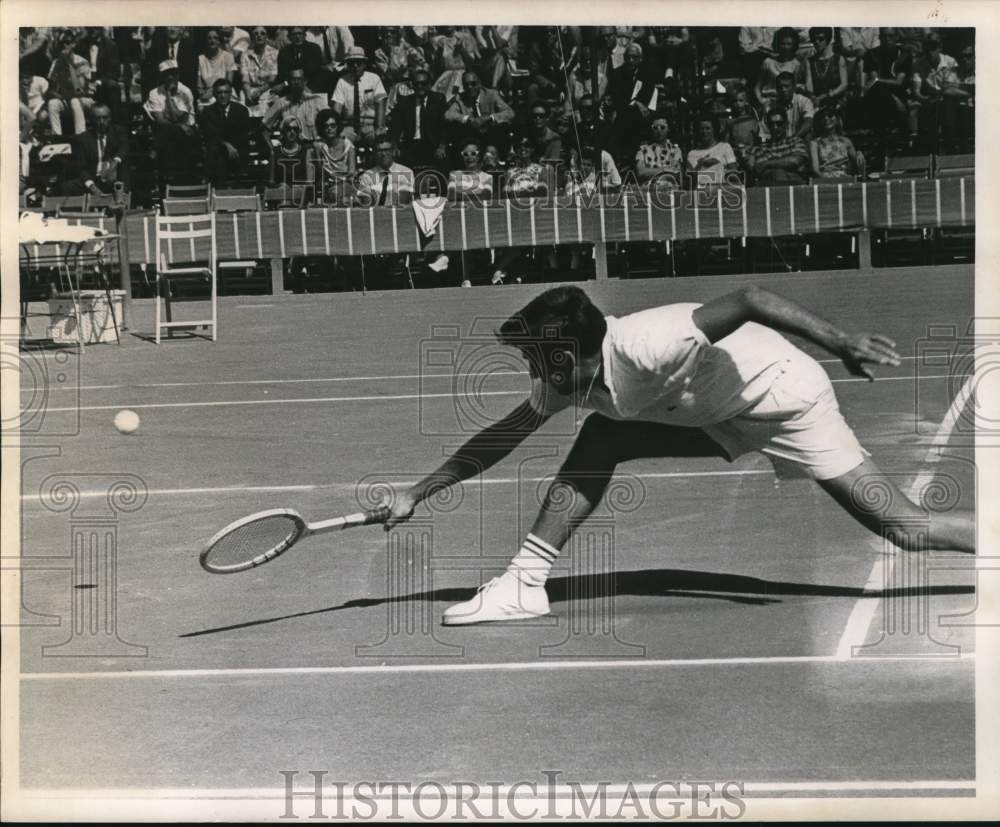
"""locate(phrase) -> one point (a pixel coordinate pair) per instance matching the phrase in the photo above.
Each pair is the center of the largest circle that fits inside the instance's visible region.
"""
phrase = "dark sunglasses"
(471, 153)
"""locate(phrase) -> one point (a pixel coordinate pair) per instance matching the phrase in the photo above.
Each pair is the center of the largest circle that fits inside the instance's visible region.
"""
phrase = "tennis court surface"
(749, 631)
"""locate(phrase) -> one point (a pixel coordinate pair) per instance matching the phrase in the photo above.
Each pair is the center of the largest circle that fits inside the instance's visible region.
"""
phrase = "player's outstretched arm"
(482, 451)
(720, 317)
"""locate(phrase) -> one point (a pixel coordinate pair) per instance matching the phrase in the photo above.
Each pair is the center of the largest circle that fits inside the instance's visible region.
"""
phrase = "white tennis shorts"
(797, 424)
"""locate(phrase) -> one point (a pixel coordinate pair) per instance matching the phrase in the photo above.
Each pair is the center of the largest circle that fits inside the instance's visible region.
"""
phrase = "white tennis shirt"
(660, 367)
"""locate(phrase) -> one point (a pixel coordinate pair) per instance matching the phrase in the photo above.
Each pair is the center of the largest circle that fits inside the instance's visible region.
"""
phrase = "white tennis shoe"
(502, 598)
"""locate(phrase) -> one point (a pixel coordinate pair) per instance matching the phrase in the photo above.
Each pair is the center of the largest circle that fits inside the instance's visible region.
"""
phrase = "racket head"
(252, 541)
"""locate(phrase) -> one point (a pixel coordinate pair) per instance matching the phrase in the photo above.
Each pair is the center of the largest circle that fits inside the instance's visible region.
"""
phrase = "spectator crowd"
(363, 114)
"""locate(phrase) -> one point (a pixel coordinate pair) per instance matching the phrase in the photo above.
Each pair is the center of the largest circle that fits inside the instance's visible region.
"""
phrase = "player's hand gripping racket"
(260, 537)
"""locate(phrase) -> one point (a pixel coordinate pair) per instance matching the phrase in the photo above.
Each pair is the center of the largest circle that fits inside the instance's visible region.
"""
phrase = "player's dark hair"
(559, 319)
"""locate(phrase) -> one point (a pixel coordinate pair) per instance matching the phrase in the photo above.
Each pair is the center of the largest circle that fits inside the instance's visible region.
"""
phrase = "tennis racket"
(260, 537)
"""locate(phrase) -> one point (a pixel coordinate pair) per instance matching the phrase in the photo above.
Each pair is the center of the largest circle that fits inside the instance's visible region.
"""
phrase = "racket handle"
(377, 515)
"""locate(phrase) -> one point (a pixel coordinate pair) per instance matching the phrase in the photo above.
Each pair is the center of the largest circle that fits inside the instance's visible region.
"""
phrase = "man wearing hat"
(359, 99)
(171, 106)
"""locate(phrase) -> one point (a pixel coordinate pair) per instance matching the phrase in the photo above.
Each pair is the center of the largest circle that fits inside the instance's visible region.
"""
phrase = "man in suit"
(99, 156)
(300, 54)
(417, 124)
(225, 126)
(170, 46)
(480, 114)
(633, 89)
(105, 67)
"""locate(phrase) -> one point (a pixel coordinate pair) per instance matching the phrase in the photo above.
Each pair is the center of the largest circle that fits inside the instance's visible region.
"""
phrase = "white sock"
(531, 565)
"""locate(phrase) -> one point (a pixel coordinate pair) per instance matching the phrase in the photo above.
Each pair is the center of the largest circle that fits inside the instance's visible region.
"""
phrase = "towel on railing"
(35, 228)
(427, 212)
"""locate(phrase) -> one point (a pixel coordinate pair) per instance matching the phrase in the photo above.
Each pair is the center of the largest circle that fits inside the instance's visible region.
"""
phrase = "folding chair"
(186, 206)
(954, 166)
(184, 232)
(243, 202)
(98, 203)
(287, 196)
(235, 191)
(908, 166)
(231, 201)
(188, 191)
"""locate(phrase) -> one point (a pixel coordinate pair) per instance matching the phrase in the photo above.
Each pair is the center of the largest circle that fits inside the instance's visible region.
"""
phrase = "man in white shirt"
(716, 379)
(387, 184)
(171, 106)
(359, 99)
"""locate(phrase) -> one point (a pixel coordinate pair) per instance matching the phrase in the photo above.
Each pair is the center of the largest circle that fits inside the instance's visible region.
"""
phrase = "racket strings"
(253, 540)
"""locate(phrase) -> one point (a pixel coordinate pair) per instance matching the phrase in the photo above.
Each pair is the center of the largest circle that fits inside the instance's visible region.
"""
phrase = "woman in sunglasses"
(471, 183)
(292, 160)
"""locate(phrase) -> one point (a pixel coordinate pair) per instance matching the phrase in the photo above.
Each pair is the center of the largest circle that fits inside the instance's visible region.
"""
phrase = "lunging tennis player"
(716, 379)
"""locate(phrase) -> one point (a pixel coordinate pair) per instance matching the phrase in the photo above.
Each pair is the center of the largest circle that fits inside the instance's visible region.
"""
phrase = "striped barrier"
(757, 211)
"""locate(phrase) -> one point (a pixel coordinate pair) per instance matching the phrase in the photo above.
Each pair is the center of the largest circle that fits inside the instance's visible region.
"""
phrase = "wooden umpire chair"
(184, 230)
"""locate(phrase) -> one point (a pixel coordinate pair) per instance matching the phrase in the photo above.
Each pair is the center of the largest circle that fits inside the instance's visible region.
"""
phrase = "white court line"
(318, 380)
(860, 619)
(558, 791)
(379, 397)
(318, 486)
(511, 666)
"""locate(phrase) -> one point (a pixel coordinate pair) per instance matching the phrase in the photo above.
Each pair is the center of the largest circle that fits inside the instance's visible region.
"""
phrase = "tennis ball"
(127, 421)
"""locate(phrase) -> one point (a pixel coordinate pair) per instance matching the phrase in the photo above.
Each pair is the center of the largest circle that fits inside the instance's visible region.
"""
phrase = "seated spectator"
(417, 124)
(333, 41)
(359, 99)
(798, 108)
(297, 102)
(299, 54)
(659, 161)
(715, 63)
(387, 183)
(258, 72)
(743, 129)
(711, 159)
(69, 81)
(548, 144)
(826, 71)
(99, 155)
(335, 160)
(583, 177)
(292, 160)
(831, 152)
(493, 166)
(526, 178)
(171, 106)
(105, 67)
(632, 88)
(479, 114)
(544, 63)
(591, 125)
(454, 52)
(214, 63)
(235, 41)
(935, 94)
(756, 45)
(395, 57)
(887, 69)
(782, 160)
(34, 46)
(785, 60)
(855, 43)
(31, 91)
(581, 83)
(471, 183)
(169, 43)
(225, 127)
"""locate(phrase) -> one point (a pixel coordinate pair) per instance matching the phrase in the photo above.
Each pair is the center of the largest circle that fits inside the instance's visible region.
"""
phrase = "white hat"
(167, 65)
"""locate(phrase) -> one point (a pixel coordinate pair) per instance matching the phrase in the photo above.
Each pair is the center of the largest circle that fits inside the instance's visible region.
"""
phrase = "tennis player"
(715, 379)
